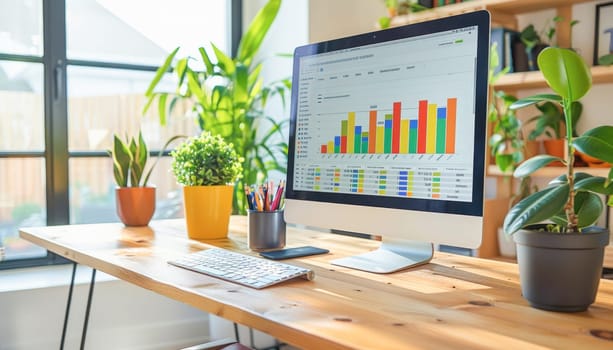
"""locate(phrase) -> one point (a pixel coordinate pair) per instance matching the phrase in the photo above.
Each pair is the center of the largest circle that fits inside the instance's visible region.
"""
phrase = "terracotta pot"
(135, 205)
(556, 148)
(593, 162)
(560, 271)
(207, 211)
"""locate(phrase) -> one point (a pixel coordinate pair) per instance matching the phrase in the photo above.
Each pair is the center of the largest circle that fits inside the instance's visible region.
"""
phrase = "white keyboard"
(240, 268)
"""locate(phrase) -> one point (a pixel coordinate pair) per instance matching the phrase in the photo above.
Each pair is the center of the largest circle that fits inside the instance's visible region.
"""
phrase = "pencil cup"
(266, 230)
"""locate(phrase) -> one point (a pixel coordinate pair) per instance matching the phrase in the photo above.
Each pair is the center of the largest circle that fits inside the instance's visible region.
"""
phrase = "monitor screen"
(387, 132)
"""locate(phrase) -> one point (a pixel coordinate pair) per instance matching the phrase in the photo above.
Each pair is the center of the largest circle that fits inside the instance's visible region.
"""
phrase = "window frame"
(56, 154)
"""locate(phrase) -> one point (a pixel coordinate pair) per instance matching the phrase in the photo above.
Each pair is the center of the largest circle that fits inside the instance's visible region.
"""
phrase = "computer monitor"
(387, 137)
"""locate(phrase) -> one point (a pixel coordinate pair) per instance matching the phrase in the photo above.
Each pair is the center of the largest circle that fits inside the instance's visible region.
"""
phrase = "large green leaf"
(207, 61)
(122, 157)
(597, 142)
(251, 41)
(240, 84)
(528, 101)
(588, 207)
(596, 184)
(160, 72)
(565, 72)
(224, 62)
(537, 207)
(533, 164)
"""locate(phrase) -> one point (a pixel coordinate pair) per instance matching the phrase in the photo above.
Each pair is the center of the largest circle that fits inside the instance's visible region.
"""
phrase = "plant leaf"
(251, 41)
(224, 61)
(207, 61)
(588, 207)
(528, 101)
(122, 158)
(595, 184)
(537, 207)
(161, 71)
(565, 72)
(162, 109)
(597, 142)
(533, 164)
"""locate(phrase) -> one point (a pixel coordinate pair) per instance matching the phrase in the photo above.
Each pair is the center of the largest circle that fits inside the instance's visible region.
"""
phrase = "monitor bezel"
(481, 20)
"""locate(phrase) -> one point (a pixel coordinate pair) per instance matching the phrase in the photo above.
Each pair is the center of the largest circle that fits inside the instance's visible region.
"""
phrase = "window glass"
(21, 27)
(92, 191)
(22, 204)
(143, 31)
(21, 106)
(105, 101)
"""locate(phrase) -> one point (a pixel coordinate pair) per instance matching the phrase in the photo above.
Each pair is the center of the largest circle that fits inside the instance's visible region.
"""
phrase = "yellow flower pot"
(207, 211)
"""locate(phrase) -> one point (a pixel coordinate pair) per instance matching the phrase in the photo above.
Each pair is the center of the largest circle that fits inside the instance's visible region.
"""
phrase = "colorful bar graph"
(431, 131)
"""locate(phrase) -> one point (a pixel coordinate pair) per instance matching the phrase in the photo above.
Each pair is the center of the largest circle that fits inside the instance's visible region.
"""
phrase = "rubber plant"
(559, 249)
(570, 201)
(229, 98)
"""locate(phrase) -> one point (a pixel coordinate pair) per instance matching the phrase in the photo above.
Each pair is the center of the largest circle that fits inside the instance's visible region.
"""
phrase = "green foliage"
(229, 99)
(551, 119)
(571, 200)
(206, 160)
(506, 142)
(130, 158)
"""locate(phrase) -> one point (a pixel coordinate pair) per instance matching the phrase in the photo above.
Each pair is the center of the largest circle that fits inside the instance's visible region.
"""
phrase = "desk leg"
(89, 304)
(68, 302)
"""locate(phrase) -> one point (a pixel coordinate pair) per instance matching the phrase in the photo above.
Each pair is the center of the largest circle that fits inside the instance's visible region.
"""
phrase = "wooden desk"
(454, 302)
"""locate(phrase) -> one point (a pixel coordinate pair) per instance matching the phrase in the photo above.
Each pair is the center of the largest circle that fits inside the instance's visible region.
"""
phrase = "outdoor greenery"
(570, 201)
(206, 160)
(229, 98)
(130, 158)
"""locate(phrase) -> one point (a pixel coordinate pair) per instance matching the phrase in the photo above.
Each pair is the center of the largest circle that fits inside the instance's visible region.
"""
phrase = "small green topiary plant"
(206, 160)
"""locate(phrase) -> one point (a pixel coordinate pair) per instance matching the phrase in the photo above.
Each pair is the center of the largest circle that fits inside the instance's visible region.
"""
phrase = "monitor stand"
(392, 255)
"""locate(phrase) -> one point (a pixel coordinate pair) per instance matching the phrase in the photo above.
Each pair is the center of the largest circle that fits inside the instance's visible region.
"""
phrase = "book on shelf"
(506, 41)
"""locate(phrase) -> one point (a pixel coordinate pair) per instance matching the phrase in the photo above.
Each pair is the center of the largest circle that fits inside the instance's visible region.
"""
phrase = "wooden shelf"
(551, 171)
(531, 80)
(503, 11)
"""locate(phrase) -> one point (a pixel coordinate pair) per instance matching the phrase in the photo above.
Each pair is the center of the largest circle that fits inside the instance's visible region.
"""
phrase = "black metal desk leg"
(89, 304)
(68, 302)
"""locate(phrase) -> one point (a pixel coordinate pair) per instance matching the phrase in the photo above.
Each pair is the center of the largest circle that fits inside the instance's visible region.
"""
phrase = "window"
(72, 73)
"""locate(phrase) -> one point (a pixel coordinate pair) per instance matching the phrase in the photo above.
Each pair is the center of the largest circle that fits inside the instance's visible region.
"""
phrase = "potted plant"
(207, 167)
(560, 261)
(551, 123)
(229, 98)
(134, 198)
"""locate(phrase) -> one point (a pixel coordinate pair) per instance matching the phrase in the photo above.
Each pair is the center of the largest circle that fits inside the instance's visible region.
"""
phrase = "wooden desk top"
(454, 302)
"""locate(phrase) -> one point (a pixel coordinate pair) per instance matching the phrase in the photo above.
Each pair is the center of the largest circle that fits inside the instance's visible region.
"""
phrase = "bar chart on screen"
(388, 123)
(431, 131)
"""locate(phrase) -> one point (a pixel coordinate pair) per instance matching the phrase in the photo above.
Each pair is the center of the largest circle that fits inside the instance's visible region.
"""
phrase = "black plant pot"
(560, 272)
